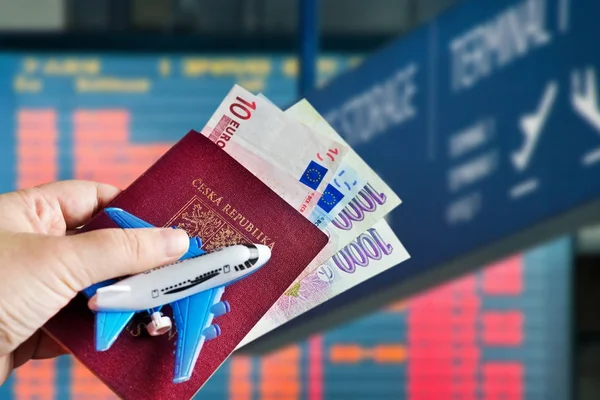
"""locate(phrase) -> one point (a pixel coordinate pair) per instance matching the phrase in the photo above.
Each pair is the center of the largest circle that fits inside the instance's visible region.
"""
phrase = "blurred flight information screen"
(109, 118)
(501, 334)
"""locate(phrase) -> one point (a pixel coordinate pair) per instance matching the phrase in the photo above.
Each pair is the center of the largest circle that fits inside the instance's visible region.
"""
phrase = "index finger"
(77, 200)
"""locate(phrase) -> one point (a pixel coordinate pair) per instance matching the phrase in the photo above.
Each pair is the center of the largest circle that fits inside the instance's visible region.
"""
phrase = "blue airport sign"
(485, 121)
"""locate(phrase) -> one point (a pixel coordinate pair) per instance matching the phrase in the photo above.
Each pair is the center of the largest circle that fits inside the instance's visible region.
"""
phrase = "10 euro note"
(296, 165)
(371, 253)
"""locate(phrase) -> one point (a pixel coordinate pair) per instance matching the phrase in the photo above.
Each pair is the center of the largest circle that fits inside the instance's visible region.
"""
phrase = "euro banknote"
(342, 186)
(372, 203)
(372, 252)
(287, 155)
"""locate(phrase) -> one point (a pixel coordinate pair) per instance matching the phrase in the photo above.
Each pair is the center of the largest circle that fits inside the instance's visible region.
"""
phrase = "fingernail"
(176, 242)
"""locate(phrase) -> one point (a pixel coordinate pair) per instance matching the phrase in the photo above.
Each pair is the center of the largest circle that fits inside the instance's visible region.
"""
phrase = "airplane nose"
(264, 253)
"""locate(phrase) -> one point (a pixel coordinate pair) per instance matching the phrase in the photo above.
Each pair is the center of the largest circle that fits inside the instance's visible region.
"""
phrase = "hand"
(43, 267)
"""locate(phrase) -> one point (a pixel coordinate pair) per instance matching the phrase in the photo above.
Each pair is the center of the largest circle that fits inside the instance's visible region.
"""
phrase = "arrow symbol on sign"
(532, 125)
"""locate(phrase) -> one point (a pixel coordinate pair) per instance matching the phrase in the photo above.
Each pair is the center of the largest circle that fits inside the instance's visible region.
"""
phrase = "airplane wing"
(108, 327)
(193, 319)
(108, 324)
(127, 220)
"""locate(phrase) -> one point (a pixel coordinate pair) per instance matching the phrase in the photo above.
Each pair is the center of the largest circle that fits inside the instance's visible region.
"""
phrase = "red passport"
(198, 187)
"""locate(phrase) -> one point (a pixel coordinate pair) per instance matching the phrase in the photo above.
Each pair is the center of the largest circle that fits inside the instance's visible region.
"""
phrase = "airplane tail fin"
(125, 219)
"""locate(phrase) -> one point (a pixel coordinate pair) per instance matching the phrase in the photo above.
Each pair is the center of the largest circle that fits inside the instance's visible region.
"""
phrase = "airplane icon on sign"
(585, 98)
(532, 125)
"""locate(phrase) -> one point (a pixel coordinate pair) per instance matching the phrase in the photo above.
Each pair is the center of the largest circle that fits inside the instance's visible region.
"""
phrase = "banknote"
(365, 211)
(286, 154)
(373, 201)
(372, 252)
(342, 186)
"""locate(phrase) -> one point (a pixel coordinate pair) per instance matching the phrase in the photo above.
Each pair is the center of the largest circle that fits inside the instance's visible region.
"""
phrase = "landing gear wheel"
(159, 324)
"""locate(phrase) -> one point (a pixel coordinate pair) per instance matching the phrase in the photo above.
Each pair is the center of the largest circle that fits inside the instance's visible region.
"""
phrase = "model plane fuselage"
(164, 285)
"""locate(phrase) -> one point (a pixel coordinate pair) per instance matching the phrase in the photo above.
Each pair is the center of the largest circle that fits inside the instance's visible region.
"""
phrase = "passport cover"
(198, 187)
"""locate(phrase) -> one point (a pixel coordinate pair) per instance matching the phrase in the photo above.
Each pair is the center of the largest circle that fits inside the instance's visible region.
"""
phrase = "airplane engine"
(220, 308)
(159, 324)
(212, 332)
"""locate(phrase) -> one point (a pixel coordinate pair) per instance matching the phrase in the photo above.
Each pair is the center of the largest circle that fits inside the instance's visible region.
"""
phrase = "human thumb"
(102, 254)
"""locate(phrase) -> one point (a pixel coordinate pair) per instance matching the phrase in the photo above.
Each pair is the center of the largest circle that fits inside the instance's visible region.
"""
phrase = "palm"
(54, 210)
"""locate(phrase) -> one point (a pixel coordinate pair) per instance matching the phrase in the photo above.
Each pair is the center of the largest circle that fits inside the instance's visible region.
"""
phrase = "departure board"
(108, 118)
(500, 334)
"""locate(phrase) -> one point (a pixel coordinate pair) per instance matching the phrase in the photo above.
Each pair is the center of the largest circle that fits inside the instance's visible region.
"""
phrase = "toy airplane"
(193, 286)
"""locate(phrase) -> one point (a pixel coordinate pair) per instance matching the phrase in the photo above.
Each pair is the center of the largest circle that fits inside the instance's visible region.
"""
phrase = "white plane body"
(164, 285)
